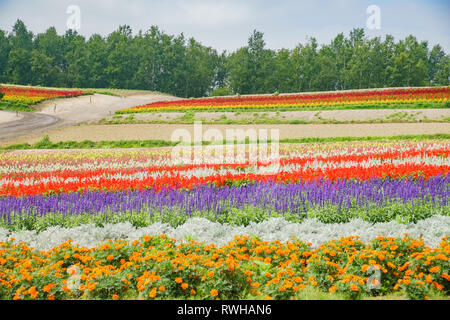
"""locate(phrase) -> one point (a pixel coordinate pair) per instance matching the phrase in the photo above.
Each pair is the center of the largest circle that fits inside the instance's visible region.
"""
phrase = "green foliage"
(45, 143)
(156, 267)
(156, 61)
(222, 91)
(233, 216)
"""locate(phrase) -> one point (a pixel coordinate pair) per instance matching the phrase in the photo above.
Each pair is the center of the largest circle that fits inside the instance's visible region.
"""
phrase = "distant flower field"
(32, 95)
(365, 98)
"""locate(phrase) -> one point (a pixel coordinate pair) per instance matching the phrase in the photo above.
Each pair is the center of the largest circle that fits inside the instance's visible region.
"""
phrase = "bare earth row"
(286, 131)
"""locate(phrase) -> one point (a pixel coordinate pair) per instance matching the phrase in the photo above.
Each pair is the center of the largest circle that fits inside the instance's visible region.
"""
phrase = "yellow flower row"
(284, 105)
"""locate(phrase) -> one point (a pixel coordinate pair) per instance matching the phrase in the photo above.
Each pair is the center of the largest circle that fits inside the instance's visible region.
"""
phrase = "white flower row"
(61, 160)
(432, 230)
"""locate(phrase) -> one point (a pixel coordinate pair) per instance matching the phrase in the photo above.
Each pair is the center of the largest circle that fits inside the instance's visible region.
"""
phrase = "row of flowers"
(30, 161)
(351, 98)
(427, 160)
(203, 230)
(374, 200)
(157, 267)
(32, 95)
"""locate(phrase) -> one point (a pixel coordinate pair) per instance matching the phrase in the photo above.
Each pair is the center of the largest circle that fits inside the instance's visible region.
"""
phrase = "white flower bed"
(432, 230)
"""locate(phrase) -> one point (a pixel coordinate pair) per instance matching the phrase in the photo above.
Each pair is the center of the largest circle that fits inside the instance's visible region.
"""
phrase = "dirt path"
(71, 111)
(9, 116)
(29, 122)
(97, 106)
(165, 131)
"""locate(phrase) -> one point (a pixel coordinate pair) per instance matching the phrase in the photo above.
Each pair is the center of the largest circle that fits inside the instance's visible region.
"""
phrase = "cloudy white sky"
(226, 25)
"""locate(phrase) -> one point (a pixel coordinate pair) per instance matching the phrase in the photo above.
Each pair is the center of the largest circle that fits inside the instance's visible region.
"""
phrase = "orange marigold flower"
(441, 256)
(178, 280)
(437, 285)
(115, 296)
(184, 286)
(48, 287)
(91, 286)
(354, 287)
(297, 279)
(152, 293)
(434, 269)
(162, 288)
(193, 292)
(110, 257)
(33, 292)
(214, 292)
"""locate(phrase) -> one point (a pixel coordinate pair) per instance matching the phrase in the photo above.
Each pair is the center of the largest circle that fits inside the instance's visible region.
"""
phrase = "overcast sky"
(226, 25)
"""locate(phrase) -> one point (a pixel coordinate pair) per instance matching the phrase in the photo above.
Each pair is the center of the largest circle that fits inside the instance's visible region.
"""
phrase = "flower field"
(246, 268)
(132, 223)
(32, 96)
(366, 98)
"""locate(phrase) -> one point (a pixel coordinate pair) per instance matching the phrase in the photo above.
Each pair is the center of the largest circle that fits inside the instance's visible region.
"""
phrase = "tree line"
(154, 60)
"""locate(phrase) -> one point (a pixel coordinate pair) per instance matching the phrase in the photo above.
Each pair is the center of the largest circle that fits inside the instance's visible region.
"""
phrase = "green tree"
(239, 77)
(121, 63)
(436, 62)
(442, 74)
(157, 61)
(19, 57)
(410, 65)
(78, 65)
(4, 54)
(19, 66)
(20, 37)
(97, 61)
(42, 69)
(282, 77)
(305, 65)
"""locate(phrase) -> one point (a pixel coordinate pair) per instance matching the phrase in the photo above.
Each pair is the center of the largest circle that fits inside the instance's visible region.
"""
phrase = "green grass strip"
(45, 142)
